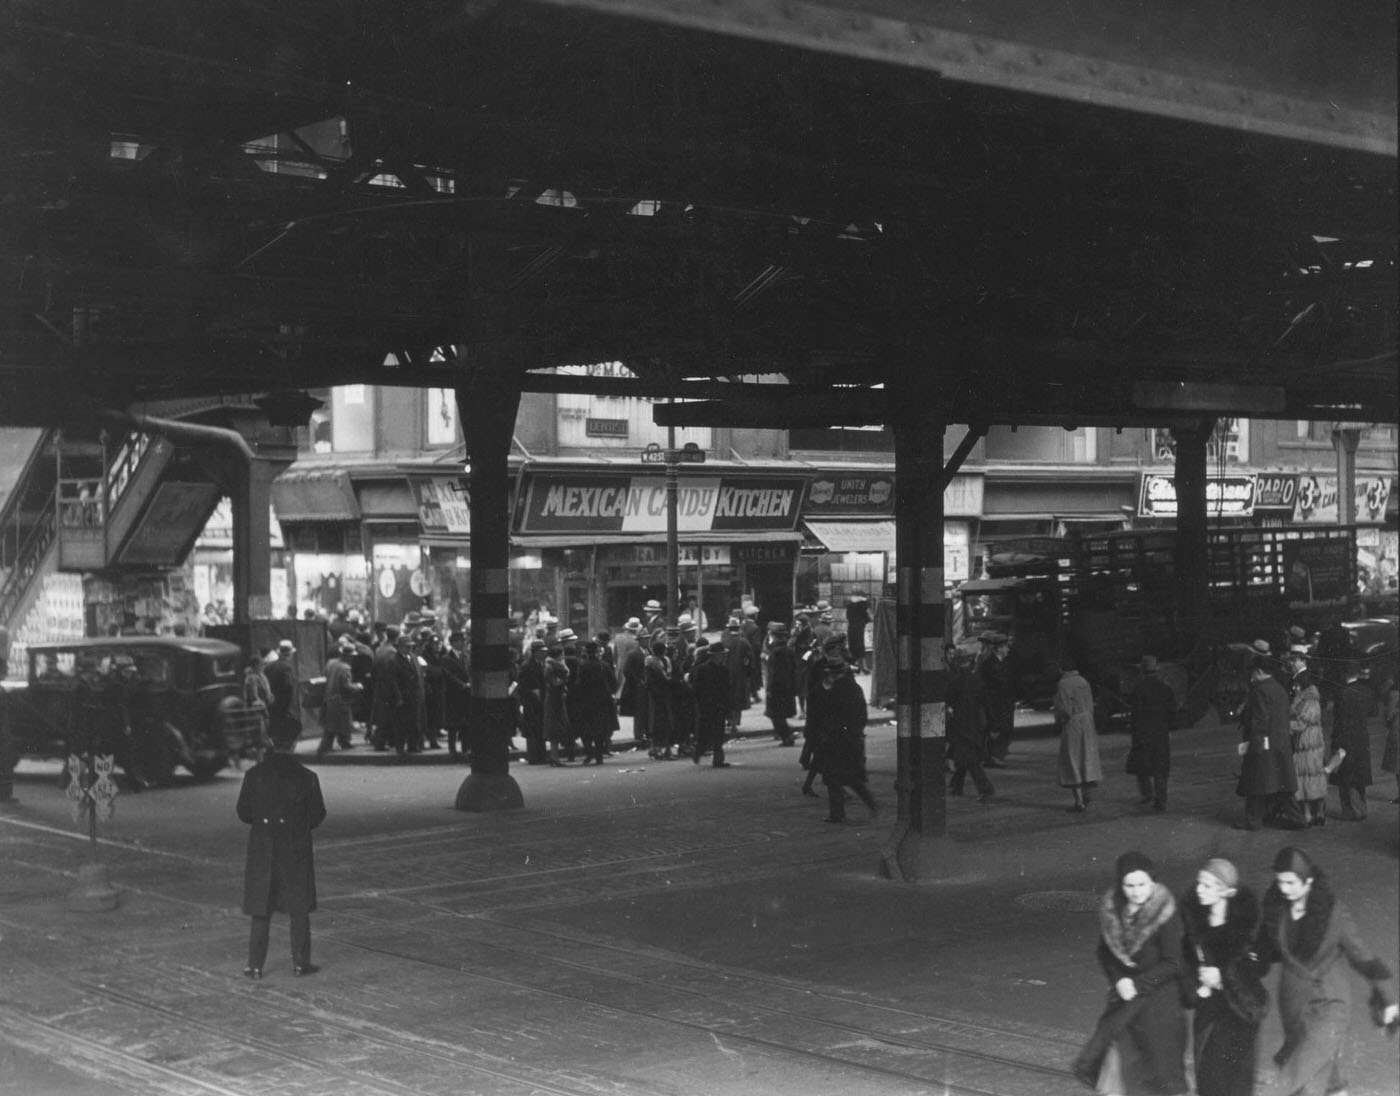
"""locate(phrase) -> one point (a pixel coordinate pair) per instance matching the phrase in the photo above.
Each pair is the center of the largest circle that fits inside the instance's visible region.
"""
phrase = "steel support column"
(1345, 440)
(920, 848)
(1192, 581)
(250, 496)
(486, 408)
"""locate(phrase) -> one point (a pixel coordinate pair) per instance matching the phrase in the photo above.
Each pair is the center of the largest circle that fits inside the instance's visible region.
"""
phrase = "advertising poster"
(1317, 572)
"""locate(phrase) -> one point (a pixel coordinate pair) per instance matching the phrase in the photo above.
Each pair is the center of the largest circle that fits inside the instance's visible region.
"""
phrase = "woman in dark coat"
(1267, 778)
(1309, 933)
(1350, 764)
(1228, 1001)
(836, 709)
(281, 801)
(1139, 1045)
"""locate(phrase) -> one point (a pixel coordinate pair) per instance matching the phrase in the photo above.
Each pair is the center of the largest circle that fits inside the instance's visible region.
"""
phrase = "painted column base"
(94, 892)
(912, 857)
(497, 792)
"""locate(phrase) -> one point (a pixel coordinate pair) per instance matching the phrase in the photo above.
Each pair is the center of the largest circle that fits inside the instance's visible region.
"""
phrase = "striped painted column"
(921, 684)
(486, 408)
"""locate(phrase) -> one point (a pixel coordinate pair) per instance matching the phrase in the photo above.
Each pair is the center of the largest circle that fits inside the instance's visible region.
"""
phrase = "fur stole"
(1230, 940)
(1312, 926)
(1231, 949)
(1124, 936)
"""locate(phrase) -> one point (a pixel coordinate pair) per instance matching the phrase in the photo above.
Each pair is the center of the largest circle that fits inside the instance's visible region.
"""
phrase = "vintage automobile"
(1368, 650)
(182, 698)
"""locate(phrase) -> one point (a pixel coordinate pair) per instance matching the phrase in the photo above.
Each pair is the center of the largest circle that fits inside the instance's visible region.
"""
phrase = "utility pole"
(672, 535)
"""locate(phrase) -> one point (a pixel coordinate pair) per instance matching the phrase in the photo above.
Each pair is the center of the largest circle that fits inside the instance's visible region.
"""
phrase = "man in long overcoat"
(281, 801)
(337, 724)
(387, 687)
(739, 662)
(710, 680)
(1350, 762)
(836, 709)
(529, 691)
(780, 697)
(594, 711)
(967, 727)
(999, 693)
(281, 676)
(1267, 779)
(457, 682)
(1154, 709)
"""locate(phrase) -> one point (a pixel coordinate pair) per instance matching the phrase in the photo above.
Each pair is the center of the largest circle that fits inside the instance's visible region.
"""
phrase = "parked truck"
(1105, 600)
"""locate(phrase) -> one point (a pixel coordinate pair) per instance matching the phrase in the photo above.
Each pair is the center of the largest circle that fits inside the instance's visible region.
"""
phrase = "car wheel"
(206, 768)
(156, 757)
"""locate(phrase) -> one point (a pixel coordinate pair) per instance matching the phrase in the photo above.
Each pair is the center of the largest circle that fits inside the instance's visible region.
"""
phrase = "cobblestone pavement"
(643, 928)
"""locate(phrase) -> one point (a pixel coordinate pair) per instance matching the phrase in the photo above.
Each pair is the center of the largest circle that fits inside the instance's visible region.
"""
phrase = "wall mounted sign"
(1226, 496)
(600, 503)
(1276, 491)
(1316, 500)
(855, 493)
(444, 504)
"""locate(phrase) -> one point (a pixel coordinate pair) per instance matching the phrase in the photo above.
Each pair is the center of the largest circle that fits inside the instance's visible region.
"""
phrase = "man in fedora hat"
(651, 616)
(780, 693)
(738, 662)
(281, 801)
(999, 695)
(281, 677)
(1154, 712)
(1267, 778)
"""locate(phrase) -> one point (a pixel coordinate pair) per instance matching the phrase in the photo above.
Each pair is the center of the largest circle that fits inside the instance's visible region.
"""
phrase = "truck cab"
(1026, 609)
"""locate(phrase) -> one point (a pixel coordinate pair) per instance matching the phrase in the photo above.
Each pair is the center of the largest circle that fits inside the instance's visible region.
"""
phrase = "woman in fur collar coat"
(1309, 747)
(1221, 920)
(1139, 1045)
(1308, 932)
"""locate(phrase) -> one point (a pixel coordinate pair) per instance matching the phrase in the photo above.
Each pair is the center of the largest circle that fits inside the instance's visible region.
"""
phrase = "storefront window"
(449, 584)
(352, 418)
(401, 586)
(330, 581)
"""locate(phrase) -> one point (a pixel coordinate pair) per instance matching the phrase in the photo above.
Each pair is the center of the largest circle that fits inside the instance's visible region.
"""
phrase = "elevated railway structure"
(920, 214)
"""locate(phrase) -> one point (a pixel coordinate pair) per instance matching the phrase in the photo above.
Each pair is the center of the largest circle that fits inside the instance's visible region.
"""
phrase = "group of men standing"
(403, 688)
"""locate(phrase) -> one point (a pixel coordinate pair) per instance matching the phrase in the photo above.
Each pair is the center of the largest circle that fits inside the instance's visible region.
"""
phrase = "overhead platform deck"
(1022, 212)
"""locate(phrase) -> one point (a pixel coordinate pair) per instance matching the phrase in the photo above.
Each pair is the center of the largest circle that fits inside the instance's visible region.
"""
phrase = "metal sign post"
(92, 790)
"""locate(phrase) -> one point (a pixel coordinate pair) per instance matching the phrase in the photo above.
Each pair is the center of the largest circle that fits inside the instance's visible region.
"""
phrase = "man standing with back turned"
(281, 801)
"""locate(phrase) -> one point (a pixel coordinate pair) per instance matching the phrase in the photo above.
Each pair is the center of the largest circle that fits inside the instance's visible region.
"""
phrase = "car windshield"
(61, 668)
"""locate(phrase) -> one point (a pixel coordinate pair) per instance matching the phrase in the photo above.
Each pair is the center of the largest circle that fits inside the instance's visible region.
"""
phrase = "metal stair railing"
(27, 562)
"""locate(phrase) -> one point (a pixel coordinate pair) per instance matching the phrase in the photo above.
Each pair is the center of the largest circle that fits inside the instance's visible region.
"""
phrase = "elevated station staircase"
(81, 507)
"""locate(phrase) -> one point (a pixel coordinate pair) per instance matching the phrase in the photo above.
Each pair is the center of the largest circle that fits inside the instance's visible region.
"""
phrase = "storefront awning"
(854, 536)
(314, 495)
(547, 540)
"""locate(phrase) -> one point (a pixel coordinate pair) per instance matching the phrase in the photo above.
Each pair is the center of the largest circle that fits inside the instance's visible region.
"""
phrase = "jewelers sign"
(587, 503)
(1227, 496)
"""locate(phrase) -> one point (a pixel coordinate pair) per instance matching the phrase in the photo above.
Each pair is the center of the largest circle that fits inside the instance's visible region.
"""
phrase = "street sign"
(690, 454)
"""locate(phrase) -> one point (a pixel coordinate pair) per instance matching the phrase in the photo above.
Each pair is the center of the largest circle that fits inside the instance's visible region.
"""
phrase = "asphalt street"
(641, 928)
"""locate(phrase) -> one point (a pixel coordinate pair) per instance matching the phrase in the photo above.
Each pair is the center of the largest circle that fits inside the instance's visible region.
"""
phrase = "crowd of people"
(1204, 955)
(407, 688)
(404, 689)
